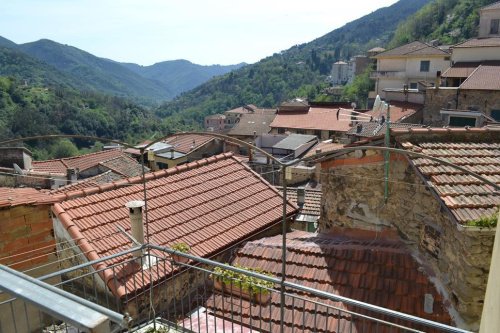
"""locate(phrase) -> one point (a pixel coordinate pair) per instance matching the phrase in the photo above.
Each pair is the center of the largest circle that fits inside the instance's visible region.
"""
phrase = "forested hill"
(28, 110)
(181, 75)
(448, 21)
(297, 72)
(72, 67)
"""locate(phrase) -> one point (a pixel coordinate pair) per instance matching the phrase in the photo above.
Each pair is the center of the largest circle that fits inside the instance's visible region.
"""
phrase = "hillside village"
(311, 216)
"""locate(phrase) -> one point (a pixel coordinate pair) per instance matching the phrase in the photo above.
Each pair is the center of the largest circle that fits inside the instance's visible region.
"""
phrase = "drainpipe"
(137, 226)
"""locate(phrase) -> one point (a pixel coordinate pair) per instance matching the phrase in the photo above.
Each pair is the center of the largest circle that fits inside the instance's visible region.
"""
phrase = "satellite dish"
(18, 169)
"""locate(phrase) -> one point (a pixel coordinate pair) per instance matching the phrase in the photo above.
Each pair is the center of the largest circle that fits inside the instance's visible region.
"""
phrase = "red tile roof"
(479, 42)
(485, 77)
(324, 147)
(312, 202)
(369, 269)
(495, 5)
(317, 118)
(10, 197)
(460, 70)
(124, 165)
(399, 111)
(103, 178)
(209, 204)
(188, 143)
(82, 162)
(466, 197)
(413, 49)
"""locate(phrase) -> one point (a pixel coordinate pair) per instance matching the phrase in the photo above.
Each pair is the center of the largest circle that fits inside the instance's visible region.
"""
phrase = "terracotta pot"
(261, 298)
(179, 259)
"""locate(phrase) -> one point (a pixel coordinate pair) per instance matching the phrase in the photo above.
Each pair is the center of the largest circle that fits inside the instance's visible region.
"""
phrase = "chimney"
(438, 79)
(137, 227)
(318, 151)
(71, 175)
(301, 196)
(428, 303)
(172, 151)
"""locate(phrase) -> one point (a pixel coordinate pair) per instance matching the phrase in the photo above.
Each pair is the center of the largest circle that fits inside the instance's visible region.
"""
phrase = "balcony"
(388, 75)
(188, 297)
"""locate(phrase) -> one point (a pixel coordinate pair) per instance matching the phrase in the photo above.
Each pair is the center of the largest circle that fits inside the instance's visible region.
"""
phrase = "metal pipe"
(387, 155)
(283, 253)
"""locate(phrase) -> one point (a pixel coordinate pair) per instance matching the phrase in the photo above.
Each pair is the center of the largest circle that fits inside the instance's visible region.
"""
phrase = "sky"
(205, 32)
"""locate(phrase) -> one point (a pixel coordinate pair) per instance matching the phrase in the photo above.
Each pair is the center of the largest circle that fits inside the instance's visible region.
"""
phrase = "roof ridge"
(471, 74)
(75, 157)
(148, 176)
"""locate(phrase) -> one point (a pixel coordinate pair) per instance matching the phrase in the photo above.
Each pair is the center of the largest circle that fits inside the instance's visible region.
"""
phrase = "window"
(494, 26)
(425, 65)
(462, 121)
(413, 85)
(495, 114)
(281, 130)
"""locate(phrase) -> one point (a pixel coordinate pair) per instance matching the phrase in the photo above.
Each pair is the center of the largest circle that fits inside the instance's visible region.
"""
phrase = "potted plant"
(247, 287)
(183, 248)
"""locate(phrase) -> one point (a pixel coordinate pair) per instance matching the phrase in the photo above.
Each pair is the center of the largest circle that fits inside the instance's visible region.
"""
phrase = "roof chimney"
(301, 196)
(135, 213)
(318, 151)
(428, 303)
(71, 175)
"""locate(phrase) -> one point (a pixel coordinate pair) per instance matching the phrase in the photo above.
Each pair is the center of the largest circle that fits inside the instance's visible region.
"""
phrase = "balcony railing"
(192, 297)
(388, 74)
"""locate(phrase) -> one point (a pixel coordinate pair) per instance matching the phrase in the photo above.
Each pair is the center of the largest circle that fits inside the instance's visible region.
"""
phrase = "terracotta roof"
(187, 143)
(413, 49)
(372, 129)
(479, 42)
(376, 49)
(10, 197)
(466, 197)
(460, 70)
(485, 77)
(209, 204)
(324, 147)
(82, 162)
(399, 111)
(369, 269)
(242, 109)
(124, 165)
(317, 118)
(312, 202)
(253, 122)
(103, 178)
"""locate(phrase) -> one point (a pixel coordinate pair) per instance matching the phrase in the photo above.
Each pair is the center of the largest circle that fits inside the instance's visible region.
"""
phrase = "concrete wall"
(476, 54)
(485, 18)
(353, 196)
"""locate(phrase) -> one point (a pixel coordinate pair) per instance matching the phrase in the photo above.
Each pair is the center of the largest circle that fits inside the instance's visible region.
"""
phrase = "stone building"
(212, 205)
(434, 208)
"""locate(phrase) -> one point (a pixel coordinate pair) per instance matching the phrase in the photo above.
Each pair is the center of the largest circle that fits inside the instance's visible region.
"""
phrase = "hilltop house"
(405, 66)
(470, 95)
(212, 205)
(434, 207)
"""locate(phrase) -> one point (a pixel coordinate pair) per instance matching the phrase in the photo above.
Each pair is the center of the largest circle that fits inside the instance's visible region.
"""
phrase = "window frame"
(427, 68)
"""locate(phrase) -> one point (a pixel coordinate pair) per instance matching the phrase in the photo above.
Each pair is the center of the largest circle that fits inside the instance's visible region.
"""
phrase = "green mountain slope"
(181, 75)
(449, 21)
(299, 71)
(17, 64)
(102, 74)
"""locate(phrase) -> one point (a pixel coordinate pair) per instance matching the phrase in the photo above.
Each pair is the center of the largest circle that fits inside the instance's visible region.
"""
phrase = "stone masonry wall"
(437, 99)
(353, 196)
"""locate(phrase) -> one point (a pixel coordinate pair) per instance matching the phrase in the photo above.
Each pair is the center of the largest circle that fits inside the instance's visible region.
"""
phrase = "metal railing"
(193, 297)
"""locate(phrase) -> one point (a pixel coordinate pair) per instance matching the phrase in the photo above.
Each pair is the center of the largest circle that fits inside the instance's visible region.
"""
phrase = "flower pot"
(227, 289)
(179, 259)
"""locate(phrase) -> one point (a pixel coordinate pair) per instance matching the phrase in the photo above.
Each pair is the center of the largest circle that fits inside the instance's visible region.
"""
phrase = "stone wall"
(353, 196)
(446, 98)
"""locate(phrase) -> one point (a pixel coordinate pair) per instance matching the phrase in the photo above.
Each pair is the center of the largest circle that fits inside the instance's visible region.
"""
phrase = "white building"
(407, 65)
